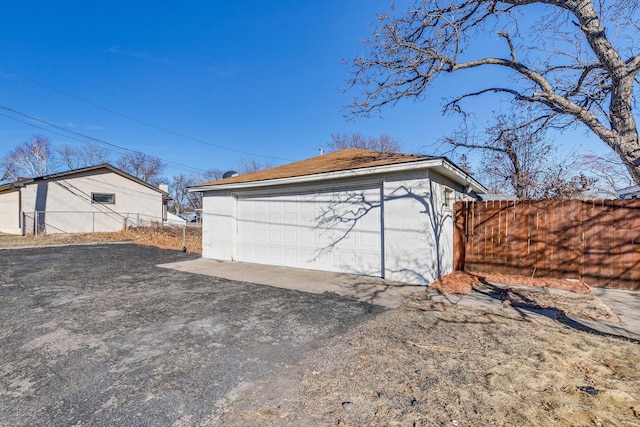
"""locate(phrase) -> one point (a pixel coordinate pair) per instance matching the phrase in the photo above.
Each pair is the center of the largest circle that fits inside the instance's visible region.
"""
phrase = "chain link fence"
(49, 222)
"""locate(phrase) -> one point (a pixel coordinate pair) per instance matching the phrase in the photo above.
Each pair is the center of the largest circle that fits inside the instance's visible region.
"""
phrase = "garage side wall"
(218, 226)
(9, 212)
(418, 224)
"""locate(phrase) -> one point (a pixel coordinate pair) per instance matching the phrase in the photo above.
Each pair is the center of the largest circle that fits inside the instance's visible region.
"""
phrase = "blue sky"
(207, 84)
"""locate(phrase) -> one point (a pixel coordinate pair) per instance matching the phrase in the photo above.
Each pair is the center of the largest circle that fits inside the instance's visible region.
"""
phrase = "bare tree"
(383, 143)
(252, 165)
(212, 175)
(29, 159)
(607, 172)
(511, 154)
(146, 168)
(517, 157)
(463, 162)
(7, 170)
(179, 189)
(85, 156)
(573, 61)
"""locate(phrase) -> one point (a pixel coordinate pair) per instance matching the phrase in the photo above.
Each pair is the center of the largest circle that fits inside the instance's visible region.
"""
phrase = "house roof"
(22, 182)
(633, 189)
(334, 165)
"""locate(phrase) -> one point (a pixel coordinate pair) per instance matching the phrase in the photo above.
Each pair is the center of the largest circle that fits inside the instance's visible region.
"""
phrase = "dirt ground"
(429, 363)
(98, 335)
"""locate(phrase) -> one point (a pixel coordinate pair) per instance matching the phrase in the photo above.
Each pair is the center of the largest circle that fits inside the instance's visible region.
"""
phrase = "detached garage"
(353, 211)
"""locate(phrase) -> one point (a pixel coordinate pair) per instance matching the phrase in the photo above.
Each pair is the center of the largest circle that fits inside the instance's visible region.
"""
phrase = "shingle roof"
(57, 175)
(336, 161)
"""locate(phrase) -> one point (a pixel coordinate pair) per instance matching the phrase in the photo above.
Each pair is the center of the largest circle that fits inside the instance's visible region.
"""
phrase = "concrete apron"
(372, 290)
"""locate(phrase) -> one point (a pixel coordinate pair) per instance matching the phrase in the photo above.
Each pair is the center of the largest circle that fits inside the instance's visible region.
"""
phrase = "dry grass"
(432, 364)
(173, 237)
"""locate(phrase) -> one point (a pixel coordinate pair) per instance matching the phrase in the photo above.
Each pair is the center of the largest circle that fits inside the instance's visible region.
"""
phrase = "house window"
(448, 198)
(107, 199)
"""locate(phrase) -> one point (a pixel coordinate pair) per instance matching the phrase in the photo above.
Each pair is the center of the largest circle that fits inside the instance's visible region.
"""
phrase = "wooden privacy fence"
(596, 241)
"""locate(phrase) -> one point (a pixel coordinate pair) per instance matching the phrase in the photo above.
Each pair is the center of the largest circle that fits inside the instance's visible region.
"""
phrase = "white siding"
(218, 226)
(68, 208)
(10, 212)
(418, 228)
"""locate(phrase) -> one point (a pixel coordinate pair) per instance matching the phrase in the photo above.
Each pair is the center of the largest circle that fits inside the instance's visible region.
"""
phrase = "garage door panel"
(275, 253)
(290, 253)
(258, 218)
(307, 238)
(275, 217)
(335, 231)
(259, 236)
(275, 236)
(290, 237)
(325, 260)
(346, 259)
(245, 251)
(307, 219)
(290, 218)
(369, 240)
(306, 256)
(369, 259)
(260, 253)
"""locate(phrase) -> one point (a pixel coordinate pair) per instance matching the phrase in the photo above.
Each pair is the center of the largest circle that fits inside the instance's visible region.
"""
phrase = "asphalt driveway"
(98, 335)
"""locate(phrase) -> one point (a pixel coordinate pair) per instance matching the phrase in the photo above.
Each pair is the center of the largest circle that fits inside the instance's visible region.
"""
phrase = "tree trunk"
(626, 142)
(627, 145)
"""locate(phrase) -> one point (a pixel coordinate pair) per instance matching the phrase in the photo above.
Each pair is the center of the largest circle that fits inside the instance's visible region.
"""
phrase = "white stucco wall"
(219, 229)
(68, 207)
(418, 227)
(10, 212)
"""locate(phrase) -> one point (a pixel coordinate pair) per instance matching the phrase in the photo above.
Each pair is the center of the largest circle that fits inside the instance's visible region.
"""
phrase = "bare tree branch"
(382, 143)
(563, 63)
(142, 166)
(513, 156)
(30, 159)
(85, 156)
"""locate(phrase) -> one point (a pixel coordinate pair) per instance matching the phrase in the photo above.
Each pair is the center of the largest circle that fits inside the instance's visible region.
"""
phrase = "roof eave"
(451, 171)
(441, 164)
(64, 174)
(15, 185)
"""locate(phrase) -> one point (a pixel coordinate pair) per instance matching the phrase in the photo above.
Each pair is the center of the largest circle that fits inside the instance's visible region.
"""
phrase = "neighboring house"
(495, 197)
(97, 198)
(352, 211)
(632, 192)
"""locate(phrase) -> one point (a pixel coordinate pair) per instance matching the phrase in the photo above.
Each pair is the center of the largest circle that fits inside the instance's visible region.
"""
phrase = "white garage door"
(334, 231)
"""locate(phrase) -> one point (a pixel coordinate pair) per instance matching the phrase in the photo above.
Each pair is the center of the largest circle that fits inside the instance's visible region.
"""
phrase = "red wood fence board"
(597, 241)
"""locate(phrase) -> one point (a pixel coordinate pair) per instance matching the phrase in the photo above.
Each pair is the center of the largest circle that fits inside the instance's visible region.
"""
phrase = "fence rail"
(596, 241)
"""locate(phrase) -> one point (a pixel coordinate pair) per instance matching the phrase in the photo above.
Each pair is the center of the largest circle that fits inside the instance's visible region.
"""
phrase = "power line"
(151, 125)
(96, 140)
